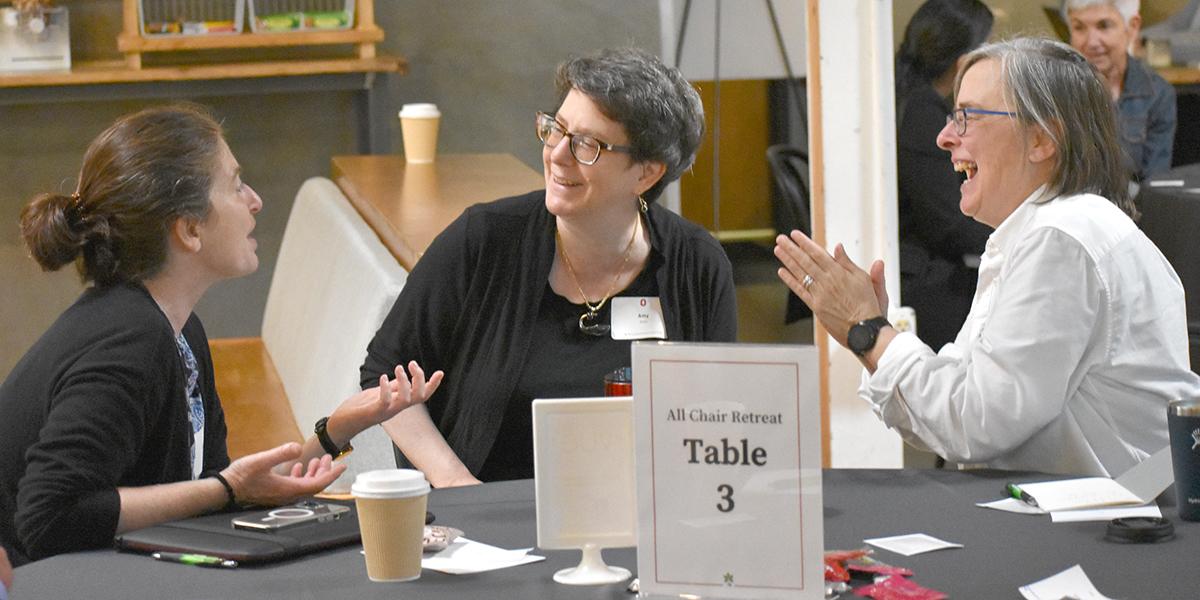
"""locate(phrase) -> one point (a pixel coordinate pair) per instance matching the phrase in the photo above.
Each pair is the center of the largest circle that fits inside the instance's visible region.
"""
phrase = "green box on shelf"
(282, 16)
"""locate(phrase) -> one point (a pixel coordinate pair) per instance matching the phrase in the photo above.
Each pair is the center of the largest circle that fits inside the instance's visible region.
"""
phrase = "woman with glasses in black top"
(538, 296)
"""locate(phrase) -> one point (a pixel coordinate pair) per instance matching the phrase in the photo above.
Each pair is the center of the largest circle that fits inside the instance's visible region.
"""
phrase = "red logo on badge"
(643, 302)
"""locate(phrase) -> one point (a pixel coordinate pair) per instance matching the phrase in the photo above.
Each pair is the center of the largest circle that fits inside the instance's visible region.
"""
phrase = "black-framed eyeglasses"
(959, 117)
(585, 148)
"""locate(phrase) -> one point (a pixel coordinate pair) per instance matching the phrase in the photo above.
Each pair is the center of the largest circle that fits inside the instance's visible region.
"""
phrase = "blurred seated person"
(1103, 31)
(1077, 339)
(111, 421)
(538, 296)
(939, 245)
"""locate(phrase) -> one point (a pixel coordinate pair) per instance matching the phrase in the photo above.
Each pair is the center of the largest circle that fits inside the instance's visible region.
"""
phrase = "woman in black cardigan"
(111, 421)
(538, 296)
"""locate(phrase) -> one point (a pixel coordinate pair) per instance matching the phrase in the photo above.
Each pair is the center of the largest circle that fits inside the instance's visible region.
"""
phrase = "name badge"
(638, 318)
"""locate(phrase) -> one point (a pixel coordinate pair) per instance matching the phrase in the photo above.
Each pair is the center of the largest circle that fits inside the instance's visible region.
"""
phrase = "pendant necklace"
(589, 322)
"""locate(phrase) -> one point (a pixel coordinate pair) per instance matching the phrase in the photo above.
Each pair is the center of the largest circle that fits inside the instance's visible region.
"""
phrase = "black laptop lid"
(214, 535)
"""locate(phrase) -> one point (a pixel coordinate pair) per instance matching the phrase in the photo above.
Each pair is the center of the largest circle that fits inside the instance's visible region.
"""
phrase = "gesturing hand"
(376, 405)
(254, 481)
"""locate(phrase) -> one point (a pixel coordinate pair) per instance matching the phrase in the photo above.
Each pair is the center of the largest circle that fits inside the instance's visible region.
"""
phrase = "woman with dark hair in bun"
(111, 421)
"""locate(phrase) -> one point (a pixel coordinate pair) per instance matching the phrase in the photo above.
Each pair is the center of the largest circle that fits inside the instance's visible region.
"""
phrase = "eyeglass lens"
(585, 149)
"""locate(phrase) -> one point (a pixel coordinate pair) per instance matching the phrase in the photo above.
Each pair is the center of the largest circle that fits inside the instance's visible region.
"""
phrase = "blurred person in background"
(939, 245)
(1104, 31)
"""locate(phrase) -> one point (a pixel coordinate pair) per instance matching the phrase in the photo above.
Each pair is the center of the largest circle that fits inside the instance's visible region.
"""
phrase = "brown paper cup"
(419, 126)
(391, 518)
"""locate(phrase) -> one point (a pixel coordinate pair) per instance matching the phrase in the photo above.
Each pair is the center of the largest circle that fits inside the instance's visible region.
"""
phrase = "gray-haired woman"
(1076, 339)
(537, 296)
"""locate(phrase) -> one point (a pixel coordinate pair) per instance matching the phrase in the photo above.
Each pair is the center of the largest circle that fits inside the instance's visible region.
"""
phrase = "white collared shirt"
(1075, 343)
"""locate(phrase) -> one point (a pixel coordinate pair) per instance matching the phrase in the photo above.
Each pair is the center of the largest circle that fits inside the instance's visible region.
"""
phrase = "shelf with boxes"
(190, 25)
(166, 26)
(207, 37)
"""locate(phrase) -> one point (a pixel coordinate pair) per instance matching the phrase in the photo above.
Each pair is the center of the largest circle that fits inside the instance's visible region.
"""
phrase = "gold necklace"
(587, 321)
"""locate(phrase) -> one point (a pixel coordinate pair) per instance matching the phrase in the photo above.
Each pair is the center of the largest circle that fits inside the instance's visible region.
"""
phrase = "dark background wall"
(488, 65)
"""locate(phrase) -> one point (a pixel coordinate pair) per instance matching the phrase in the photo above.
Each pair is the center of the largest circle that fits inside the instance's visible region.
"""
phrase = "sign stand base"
(592, 570)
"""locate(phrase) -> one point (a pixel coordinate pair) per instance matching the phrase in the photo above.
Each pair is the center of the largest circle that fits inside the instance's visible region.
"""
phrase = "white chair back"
(333, 285)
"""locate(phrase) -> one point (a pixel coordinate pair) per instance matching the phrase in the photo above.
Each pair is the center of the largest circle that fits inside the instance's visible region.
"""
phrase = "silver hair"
(660, 111)
(1052, 87)
(1127, 8)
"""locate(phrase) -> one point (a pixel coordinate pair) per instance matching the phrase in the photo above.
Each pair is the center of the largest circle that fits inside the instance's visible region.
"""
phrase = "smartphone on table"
(306, 511)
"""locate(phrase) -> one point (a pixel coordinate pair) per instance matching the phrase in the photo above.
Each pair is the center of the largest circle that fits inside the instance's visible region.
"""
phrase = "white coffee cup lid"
(390, 483)
(419, 111)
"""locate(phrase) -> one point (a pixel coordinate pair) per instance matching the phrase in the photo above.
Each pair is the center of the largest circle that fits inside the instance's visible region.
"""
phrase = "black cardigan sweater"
(96, 404)
(469, 304)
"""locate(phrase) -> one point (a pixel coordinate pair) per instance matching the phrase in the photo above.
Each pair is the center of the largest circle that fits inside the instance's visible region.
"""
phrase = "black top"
(934, 233)
(96, 404)
(557, 340)
(470, 305)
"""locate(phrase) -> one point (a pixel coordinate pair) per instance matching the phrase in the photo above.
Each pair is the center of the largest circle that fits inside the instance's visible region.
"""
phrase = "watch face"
(861, 338)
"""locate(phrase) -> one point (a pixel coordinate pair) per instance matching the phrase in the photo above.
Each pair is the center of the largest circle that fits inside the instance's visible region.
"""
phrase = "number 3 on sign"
(726, 492)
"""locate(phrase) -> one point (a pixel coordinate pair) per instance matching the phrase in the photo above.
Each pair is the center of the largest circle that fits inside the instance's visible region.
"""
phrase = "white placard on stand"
(728, 441)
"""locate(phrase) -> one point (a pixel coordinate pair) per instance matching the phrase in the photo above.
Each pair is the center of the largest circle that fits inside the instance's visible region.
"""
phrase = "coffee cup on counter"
(419, 127)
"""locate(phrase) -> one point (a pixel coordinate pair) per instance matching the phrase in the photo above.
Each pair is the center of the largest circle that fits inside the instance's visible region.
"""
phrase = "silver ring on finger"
(808, 281)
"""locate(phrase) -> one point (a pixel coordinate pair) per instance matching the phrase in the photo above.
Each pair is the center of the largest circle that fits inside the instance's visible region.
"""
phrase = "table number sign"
(728, 470)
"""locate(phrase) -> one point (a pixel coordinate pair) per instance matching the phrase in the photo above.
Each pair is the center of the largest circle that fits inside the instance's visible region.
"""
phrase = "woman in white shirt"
(1076, 339)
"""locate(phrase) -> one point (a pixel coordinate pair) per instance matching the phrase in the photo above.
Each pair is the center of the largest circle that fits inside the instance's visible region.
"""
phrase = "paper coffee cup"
(391, 518)
(419, 126)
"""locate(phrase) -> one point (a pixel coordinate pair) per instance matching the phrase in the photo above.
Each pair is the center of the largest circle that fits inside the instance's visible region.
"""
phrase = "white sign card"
(729, 470)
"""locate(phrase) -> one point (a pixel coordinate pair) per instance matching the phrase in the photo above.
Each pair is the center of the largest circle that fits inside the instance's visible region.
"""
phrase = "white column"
(859, 137)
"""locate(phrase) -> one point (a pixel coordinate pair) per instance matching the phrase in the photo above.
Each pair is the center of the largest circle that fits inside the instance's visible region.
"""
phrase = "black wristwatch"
(326, 443)
(862, 335)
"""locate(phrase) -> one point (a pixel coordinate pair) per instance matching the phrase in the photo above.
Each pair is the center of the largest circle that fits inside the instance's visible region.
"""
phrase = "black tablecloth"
(1002, 550)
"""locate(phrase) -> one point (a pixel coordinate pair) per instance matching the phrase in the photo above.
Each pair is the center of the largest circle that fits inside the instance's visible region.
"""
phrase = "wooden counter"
(409, 205)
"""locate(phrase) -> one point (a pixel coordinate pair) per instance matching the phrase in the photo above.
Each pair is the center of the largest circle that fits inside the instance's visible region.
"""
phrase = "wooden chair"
(334, 283)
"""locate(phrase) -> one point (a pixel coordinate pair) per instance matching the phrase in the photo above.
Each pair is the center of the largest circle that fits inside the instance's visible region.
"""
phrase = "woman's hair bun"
(51, 228)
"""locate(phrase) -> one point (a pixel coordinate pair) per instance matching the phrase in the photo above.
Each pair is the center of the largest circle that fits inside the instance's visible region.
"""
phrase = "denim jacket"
(1146, 118)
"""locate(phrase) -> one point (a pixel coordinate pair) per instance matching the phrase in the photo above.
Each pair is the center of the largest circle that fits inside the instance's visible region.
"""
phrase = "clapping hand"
(837, 290)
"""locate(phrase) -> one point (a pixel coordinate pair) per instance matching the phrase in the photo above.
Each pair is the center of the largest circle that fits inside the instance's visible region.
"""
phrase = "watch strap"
(327, 444)
(874, 325)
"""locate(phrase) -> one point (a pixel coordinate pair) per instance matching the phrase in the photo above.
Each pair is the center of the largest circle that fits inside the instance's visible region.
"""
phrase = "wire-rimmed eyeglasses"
(959, 117)
(585, 148)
